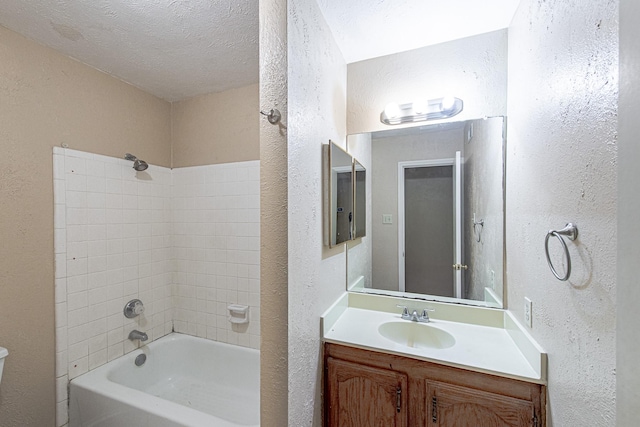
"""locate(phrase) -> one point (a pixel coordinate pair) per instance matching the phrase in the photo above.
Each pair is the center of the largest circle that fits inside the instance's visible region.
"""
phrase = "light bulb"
(447, 103)
(392, 110)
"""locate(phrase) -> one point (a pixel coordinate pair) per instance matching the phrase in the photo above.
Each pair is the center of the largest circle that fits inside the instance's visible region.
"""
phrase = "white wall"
(317, 110)
(473, 69)
(561, 166)
(628, 292)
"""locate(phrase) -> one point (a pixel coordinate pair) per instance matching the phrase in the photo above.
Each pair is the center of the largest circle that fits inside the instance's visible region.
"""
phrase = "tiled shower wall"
(216, 244)
(119, 235)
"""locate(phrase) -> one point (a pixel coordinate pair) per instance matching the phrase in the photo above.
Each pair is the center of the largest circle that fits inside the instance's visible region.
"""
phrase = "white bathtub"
(185, 381)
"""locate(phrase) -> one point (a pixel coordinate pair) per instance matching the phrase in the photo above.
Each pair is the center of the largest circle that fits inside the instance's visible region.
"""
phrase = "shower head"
(138, 164)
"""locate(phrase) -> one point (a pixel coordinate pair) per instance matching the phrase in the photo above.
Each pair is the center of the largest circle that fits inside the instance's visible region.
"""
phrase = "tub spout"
(137, 335)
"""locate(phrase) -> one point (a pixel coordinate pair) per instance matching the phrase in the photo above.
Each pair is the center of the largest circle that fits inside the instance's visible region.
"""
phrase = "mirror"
(436, 213)
(338, 195)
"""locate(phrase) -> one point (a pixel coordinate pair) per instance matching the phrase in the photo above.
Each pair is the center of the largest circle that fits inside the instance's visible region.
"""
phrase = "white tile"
(61, 339)
(61, 314)
(114, 351)
(74, 165)
(97, 358)
(96, 200)
(114, 186)
(96, 216)
(75, 182)
(97, 343)
(77, 317)
(96, 168)
(60, 265)
(60, 290)
(62, 413)
(78, 351)
(77, 300)
(60, 240)
(76, 250)
(76, 267)
(77, 284)
(78, 367)
(58, 165)
(59, 191)
(61, 363)
(97, 232)
(96, 280)
(76, 233)
(59, 216)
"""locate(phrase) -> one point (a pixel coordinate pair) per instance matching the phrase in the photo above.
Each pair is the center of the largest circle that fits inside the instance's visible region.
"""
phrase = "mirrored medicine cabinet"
(344, 196)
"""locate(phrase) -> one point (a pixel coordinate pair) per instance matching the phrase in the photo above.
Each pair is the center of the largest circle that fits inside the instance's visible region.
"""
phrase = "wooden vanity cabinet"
(366, 388)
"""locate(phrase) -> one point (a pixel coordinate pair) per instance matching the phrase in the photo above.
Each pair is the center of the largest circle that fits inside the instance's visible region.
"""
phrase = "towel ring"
(571, 231)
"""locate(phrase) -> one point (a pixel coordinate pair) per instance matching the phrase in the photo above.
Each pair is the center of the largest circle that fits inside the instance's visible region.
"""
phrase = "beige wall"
(49, 99)
(216, 128)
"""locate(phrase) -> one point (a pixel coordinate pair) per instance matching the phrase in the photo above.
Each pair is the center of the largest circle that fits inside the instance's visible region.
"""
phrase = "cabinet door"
(362, 396)
(455, 406)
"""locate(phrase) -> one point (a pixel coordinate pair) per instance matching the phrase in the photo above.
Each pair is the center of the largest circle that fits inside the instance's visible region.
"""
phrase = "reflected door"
(431, 227)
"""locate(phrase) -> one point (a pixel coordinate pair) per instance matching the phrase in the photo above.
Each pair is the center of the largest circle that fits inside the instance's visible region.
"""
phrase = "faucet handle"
(424, 317)
(405, 311)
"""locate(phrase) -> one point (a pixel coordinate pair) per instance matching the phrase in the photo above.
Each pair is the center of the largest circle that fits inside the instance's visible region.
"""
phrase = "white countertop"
(501, 348)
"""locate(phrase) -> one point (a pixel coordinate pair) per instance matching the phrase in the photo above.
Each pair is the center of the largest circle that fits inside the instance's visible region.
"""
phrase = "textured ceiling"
(367, 29)
(174, 49)
(177, 49)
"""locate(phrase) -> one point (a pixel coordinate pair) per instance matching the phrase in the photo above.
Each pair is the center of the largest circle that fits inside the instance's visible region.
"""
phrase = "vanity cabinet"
(365, 388)
(361, 395)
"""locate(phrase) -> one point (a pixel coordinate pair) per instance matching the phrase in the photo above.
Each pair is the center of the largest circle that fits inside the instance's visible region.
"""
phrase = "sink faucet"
(137, 335)
(414, 316)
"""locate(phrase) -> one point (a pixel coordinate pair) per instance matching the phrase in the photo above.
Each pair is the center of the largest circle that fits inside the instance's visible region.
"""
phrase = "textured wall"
(386, 153)
(317, 100)
(48, 99)
(628, 292)
(273, 218)
(473, 69)
(216, 128)
(561, 166)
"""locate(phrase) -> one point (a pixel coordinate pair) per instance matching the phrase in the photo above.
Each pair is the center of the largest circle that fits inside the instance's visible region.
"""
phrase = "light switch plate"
(387, 219)
(528, 313)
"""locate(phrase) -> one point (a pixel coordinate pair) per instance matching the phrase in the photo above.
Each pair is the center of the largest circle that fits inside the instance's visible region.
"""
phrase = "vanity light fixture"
(421, 110)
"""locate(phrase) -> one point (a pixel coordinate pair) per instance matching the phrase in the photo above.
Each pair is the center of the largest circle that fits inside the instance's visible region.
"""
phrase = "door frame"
(401, 220)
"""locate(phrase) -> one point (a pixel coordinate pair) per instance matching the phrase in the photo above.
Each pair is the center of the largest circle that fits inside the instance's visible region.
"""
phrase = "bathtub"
(185, 381)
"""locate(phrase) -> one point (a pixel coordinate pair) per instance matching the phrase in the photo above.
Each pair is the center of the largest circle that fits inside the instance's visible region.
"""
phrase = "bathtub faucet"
(137, 335)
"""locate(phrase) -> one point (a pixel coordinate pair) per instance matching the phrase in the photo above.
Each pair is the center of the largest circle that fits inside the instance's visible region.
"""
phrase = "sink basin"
(416, 335)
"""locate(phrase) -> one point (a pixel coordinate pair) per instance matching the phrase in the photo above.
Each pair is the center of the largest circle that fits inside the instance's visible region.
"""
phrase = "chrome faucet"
(414, 316)
(137, 335)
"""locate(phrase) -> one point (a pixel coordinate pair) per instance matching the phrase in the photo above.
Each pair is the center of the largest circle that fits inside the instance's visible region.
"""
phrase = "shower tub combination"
(185, 381)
